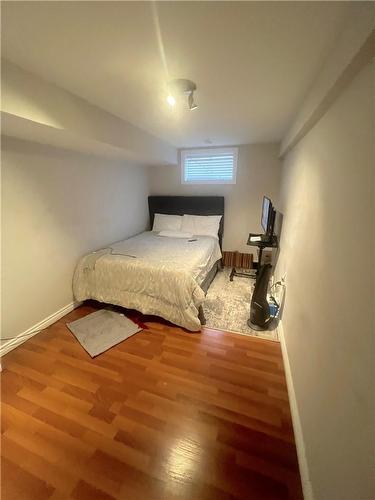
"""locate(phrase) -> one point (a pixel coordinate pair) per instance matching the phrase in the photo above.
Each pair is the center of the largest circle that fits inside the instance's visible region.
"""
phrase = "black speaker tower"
(259, 307)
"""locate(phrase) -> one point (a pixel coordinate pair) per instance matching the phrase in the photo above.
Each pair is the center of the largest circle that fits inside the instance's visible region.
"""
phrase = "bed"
(160, 276)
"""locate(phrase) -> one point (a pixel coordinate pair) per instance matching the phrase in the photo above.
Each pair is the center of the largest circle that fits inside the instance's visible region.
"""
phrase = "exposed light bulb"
(171, 100)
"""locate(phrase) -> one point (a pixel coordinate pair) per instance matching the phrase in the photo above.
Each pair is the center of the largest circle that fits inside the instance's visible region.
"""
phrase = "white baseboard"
(45, 323)
(298, 435)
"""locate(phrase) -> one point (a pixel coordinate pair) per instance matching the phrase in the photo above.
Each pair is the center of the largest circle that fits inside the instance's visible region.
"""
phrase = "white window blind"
(209, 166)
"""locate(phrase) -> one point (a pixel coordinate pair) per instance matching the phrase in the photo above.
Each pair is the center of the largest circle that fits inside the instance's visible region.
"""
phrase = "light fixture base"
(182, 86)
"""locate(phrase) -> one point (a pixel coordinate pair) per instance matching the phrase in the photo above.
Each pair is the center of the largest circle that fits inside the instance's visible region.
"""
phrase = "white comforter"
(150, 273)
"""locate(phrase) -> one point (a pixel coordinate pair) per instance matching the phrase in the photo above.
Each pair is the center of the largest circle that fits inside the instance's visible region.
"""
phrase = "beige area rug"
(227, 305)
(99, 331)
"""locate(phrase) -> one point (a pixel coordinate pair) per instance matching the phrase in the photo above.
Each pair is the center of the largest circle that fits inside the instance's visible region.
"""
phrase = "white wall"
(57, 205)
(327, 251)
(258, 174)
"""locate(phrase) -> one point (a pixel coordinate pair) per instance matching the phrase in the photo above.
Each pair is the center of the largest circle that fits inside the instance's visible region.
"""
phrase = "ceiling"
(253, 62)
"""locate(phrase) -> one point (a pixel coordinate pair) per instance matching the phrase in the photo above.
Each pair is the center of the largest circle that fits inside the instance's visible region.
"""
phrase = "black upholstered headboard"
(192, 205)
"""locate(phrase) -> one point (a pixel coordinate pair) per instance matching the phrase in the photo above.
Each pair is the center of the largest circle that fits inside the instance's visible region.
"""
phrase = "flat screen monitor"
(266, 214)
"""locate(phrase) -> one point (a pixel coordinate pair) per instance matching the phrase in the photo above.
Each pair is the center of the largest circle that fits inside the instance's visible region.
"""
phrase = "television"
(268, 216)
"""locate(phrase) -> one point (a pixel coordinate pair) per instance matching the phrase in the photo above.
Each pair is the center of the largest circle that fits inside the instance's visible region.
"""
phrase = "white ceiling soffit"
(253, 62)
(30, 106)
(353, 50)
(21, 128)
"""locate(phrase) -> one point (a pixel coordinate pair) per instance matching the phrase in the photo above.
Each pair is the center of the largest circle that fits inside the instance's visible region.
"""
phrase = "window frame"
(209, 151)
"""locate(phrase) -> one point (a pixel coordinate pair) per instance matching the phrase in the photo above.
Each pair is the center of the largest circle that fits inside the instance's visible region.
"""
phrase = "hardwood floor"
(164, 415)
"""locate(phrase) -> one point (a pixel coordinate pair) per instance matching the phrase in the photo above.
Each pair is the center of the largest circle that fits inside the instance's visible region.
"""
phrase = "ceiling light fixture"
(180, 87)
(191, 102)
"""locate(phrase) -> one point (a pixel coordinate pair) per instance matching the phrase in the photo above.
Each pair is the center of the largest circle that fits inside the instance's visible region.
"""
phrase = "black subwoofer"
(259, 307)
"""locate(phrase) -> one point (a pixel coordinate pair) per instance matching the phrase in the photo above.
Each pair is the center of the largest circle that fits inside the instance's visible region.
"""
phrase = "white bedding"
(150, 273)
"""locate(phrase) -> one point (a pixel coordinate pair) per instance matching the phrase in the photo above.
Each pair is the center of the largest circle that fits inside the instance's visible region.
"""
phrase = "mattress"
(150, 273)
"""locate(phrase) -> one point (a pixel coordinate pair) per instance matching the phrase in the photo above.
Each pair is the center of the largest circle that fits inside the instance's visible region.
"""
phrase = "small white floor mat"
(227, 305)
(101, 330)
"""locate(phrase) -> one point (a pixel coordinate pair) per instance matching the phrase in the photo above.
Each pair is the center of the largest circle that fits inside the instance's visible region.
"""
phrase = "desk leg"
(232, 273)
(259, 260)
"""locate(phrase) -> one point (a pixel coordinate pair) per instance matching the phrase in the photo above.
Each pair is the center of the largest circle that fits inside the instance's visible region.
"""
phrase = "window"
(209, 166)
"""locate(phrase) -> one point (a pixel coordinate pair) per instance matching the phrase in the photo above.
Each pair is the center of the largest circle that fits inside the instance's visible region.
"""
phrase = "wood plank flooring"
(164, 415)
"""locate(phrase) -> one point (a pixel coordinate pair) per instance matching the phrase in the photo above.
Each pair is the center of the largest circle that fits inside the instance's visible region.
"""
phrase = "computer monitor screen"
(266, 213)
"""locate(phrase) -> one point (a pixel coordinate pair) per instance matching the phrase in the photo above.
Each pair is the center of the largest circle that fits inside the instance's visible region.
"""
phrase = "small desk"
(261, 244)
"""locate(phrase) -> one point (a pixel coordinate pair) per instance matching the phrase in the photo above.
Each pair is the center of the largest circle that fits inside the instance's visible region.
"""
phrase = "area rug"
(101, 330)
(227, 305)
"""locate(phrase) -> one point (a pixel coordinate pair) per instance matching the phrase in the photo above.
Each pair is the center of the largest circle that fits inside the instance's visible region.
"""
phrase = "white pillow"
(164, 222)
(175, 234)
(201, 225)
